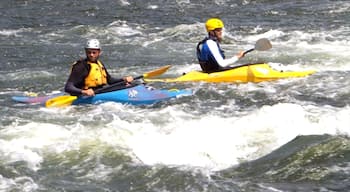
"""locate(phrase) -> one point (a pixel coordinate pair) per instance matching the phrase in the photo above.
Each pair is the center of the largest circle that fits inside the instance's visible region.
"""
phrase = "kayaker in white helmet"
(209, 53)
(90, 73)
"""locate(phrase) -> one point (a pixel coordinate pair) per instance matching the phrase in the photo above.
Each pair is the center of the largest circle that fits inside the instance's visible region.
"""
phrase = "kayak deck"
(240, 74)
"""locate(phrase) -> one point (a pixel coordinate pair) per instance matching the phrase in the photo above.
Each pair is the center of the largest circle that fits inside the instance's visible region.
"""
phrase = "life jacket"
(206, 59)
(97, 75)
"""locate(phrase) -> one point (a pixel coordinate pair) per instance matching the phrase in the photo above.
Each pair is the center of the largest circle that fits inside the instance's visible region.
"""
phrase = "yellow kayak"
(240, 74)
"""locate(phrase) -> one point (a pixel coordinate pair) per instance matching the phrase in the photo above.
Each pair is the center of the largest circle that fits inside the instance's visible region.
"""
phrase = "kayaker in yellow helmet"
(90, 73)
(209, 53)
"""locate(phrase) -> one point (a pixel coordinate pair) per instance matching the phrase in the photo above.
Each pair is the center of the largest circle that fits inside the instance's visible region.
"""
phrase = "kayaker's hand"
(240, 54)
(88, 92)
(128, 79)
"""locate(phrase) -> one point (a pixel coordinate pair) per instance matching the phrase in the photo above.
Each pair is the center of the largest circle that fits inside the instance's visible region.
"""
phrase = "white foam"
(171, 136)
(26, 142)
(122, 29)
(124, 2)
(216, 143)
(13, 32)
(17, 183)
(336, 121)
(152, 7)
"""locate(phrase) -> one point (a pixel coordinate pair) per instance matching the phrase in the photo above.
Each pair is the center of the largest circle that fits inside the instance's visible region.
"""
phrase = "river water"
(286, 135)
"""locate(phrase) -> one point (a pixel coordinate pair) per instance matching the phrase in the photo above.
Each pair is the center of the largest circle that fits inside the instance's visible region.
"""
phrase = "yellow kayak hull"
(241, 74)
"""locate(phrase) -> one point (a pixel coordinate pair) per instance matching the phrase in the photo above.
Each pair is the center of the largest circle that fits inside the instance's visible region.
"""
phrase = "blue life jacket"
(205, 57)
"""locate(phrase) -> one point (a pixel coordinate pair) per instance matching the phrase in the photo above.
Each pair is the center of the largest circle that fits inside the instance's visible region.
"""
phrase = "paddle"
(153, 73)
(66, 100)
(260, 45)
(60, 101)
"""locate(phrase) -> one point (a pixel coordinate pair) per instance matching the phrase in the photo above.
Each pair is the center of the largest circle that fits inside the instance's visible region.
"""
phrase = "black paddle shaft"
(115, 86)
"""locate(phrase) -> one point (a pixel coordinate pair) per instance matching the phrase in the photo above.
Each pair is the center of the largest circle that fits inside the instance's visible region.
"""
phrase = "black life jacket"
(206, 59)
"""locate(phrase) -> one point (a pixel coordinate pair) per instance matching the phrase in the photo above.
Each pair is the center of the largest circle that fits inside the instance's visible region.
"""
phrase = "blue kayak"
(135, 95)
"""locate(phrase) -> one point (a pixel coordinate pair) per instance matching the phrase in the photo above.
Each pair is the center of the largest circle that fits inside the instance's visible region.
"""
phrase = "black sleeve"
(76, 79)
(113, 80)
(71, 89)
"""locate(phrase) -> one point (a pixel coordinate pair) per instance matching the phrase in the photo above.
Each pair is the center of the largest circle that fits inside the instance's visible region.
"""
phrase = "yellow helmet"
(213, 23)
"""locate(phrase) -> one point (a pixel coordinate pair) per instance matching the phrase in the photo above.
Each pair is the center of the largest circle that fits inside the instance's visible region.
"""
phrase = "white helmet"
(92, 44)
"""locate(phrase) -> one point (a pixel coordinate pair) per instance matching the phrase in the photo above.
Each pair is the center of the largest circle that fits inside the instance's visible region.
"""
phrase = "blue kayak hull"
(35, 99)
(134, 95)
(137, 95)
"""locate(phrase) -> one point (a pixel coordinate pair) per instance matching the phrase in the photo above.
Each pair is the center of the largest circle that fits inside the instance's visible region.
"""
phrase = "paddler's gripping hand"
(128, 79)
(240, 54)
(88, 92)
